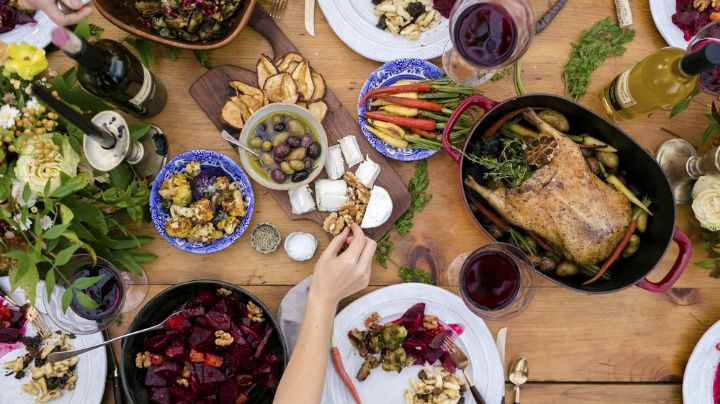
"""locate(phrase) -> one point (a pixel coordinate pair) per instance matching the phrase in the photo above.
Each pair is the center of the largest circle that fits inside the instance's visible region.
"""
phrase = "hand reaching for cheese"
(338, 275)
(50, 8)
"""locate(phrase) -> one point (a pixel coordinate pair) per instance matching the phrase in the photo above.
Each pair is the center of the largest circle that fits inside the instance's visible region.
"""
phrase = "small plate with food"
(26, 379)
(701, 381)
(679, 20)
(201, 201)
(32, 27)
(390, 342)
(384, 30)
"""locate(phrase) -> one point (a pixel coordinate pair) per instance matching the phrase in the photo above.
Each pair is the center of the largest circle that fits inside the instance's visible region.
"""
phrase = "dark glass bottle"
(109, 70)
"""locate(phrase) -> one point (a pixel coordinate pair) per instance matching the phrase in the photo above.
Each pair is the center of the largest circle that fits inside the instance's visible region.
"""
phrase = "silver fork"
(31, 314)
(460, 360)
(277, 8)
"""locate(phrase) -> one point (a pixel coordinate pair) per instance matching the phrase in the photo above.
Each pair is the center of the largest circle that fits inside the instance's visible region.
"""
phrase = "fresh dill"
(603, 40)
(411, 274)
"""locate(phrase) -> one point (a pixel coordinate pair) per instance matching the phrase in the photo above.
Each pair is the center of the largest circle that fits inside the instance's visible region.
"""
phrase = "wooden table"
(625, 347)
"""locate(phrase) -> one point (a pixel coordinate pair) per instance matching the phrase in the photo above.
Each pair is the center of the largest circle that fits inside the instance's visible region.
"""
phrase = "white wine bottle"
(661, 80)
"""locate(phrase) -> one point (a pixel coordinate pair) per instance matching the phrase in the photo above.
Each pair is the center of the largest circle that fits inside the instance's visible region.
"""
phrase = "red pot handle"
(474, 100)
(681, 262)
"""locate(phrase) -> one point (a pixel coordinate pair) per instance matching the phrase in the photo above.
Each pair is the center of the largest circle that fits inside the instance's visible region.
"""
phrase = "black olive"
(262, 127)
(279, 127)
(278, 176)
(309, 163)
(300, 176)
(281, 150)
(313, 150)
(294, 141)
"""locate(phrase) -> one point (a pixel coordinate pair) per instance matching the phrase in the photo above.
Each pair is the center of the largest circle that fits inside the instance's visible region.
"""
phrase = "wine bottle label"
(619, 92)
(146, 90)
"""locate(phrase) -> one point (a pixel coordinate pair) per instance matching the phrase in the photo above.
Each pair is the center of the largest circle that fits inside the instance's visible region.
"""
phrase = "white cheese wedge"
(301, 200)
(379, 208)
(330, 194)
(368, 172)
(335, 165)
(351, 150)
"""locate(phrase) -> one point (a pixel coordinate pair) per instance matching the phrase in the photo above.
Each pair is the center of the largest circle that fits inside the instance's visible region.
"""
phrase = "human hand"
(339, 276)
(50, 7)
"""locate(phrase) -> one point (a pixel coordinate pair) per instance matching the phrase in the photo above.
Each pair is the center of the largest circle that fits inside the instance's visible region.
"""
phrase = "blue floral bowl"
(385, 75)
(206, 159)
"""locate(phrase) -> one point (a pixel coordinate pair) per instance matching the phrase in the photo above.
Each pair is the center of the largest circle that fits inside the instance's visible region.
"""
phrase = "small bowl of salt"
(300, 246)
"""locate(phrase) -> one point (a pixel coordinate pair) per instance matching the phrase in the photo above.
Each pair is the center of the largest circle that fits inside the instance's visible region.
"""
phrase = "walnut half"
(222, 338)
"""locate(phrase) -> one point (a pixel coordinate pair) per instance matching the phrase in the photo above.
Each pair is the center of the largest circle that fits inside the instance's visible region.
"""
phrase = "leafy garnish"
(509, 167)
(501, 74)
(412, 274)
(603, 40)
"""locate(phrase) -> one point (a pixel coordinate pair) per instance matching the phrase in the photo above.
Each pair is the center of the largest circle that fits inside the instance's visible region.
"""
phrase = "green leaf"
(67, 298)
(138, 130)
(127, 262)
(64, 255)
(143, 257)
(70, 185)
(709, 131)
(89, 214)
(5, 186)
(66, 214)
(82, 29)
(203, 58)
(84, 283)
(16, 254)
(28, 278)
(56, 231)
(37, 225)
(27, 193)
(130, 243)
(73, 238)
(50, 281)
(172, 53)
(121, 176)
(679, 107)
(706, 264)
(85, 300)
(143, 48)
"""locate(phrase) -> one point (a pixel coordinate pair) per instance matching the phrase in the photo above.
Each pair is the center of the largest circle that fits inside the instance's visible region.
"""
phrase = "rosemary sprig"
(603, 40)
(510, 167)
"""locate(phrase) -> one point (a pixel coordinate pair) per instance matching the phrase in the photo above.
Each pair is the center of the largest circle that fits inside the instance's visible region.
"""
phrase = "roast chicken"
(564, 203)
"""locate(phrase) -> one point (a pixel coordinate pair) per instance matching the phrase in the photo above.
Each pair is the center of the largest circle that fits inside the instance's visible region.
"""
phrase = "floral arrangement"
(53, 204)
(706, 207)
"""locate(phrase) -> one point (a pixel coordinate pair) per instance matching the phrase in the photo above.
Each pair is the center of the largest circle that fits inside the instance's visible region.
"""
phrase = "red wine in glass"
(106, 292)
(485, 34)
(490, 280)
(709, 79)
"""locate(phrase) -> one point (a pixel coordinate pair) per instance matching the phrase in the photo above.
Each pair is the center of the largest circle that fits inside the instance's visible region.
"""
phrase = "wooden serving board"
(211, 91)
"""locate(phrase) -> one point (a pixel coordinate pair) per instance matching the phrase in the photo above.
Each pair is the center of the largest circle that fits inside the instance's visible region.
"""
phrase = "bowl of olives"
(290, 146)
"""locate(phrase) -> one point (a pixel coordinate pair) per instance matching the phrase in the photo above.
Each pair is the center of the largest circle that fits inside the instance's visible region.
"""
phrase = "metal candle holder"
(681, 164)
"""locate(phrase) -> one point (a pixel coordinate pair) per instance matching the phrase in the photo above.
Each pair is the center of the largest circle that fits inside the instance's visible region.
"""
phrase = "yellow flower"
(25, 60)
(3, 52)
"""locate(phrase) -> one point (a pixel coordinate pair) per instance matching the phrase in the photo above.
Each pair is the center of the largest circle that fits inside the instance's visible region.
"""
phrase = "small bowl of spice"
(300, 246)
(265, 238)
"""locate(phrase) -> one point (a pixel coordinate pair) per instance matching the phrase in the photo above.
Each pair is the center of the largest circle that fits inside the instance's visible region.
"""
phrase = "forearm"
(304, 376)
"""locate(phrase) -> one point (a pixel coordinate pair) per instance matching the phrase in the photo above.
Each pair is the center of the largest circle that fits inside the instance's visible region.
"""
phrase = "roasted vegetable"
(609, 160)
(555, 119)
(281, 88)
(632, 246)
(566, 269)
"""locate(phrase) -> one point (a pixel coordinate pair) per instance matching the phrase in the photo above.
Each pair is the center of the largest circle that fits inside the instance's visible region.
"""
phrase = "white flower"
(707, 208)
(17, 191)
(28, 90)
(15, 83)
(23, 226)
(33, 104)
(46, 222)
(705, 182)
(38, 165)
(7, 116)
(8, 98)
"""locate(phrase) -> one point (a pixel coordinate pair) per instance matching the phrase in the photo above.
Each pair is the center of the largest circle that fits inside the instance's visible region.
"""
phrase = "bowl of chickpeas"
(289, 147)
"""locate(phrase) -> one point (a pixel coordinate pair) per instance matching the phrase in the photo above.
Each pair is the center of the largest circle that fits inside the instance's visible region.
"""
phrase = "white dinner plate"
(354, 23)
(700, 370)
(390, 303)
(91, 367)
(662, 12)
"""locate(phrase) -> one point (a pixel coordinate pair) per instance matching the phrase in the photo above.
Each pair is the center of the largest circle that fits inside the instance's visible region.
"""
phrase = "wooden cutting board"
(211, 91)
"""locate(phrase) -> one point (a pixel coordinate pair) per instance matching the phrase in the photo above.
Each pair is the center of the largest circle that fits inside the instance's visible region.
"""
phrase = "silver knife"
(310, 17)
(500, 343)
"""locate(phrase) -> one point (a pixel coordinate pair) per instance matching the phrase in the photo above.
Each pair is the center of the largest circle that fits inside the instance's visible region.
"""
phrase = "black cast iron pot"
(169, 301)
(642, 171)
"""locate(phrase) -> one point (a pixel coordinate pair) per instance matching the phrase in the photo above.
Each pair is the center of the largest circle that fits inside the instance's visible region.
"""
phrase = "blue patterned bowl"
(206, 159)
(385, 75)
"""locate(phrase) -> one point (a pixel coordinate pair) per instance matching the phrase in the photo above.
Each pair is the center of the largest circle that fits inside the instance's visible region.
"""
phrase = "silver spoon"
(518, 375)
(225, 135)
(60, 356)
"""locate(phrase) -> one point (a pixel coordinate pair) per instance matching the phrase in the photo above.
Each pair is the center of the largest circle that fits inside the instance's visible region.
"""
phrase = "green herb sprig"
(603, 40)
(510, 167)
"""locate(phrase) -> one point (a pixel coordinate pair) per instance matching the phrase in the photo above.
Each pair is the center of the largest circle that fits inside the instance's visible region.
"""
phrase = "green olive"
(555, 119)
(276, 119)
(297, 154)
(267, 145)
(297, 165)
(632, 246)
(255, 142)
(296, 128)
(566, 269)
(286, 168)
(267, 160)
(609, 160)
(280, 138)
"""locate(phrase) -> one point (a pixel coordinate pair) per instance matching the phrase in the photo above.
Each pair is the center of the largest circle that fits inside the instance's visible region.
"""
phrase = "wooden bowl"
(123, 14)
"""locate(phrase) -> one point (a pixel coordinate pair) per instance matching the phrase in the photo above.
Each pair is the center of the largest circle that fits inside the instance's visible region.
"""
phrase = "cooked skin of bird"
(564, 203)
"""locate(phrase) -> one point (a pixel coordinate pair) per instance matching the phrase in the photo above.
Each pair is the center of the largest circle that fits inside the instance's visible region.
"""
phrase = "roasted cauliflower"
(176, 189)
(204, 233)
(228, 224)
(178, 226)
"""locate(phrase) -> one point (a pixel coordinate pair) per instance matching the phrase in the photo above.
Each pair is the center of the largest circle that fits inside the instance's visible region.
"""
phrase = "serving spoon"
(225, 135)
(61, 356)
(518, 375)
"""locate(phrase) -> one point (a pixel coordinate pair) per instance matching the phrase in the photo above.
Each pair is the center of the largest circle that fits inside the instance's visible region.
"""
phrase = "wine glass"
(486, 35)
(710, 79)
(495, 281)
(93, 305)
